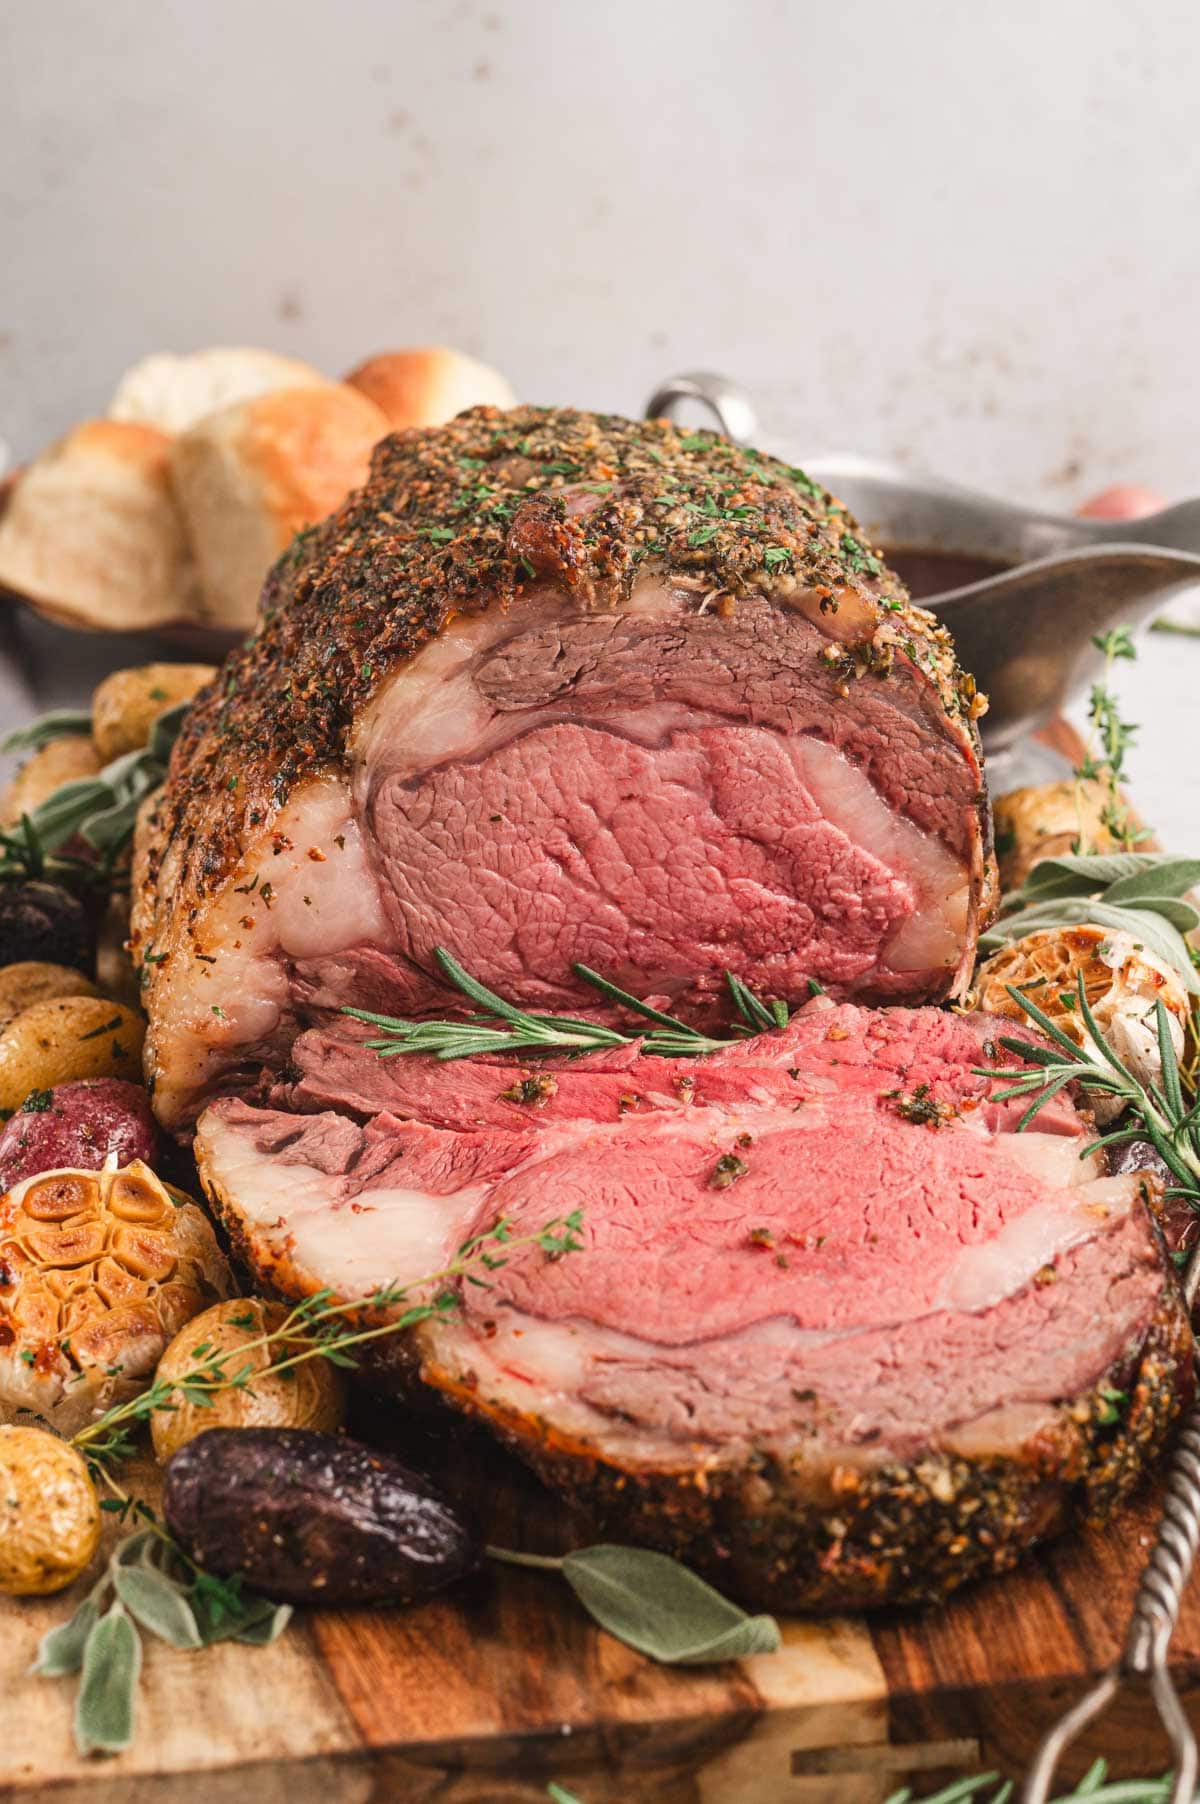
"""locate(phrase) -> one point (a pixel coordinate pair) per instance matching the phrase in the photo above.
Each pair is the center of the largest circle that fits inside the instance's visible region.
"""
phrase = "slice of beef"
(837, 1334)
(556, 687)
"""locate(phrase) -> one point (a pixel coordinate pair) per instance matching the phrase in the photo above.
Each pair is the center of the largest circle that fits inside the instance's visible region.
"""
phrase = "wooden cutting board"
(486, 1694)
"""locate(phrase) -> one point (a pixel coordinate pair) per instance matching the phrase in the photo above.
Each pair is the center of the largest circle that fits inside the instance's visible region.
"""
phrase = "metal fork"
(1155, 1613)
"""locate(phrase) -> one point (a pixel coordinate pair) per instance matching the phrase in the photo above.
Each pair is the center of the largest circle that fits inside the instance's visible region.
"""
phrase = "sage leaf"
(110, 827)
(1165, 876)
(662, 1609)
(558, 1794)
(112, 1663)
(1183, 916)
(60, 1650)
(158, 1603)
(165, 732)
(40, 732)
(267, 1626)
(64, 812)
(1083, 873)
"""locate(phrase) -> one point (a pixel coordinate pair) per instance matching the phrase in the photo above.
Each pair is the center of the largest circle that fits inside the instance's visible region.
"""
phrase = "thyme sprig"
(319, 1327)
(534, 1035)
(1160, 1113)
(1109, 739)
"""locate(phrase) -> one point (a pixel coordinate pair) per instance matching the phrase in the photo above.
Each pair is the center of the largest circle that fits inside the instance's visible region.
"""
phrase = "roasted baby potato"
(311, 1395)
(44, 922)
(310, 1518)
(76, 1036)
(62, 760)
(77, 1127)
(127, 703)
(49, 1513)
(1048, 820)
(32, 980)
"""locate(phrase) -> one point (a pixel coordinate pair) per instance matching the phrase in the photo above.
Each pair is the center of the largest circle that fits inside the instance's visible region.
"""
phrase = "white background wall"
(960, 233)
(965, 235)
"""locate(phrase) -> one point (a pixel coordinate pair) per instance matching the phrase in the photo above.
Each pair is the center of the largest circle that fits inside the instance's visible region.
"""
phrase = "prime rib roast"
(557, 688)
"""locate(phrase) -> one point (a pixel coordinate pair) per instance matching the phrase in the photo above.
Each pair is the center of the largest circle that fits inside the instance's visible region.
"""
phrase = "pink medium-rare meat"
(556, 687)
(837, 1333)
(828, 1048)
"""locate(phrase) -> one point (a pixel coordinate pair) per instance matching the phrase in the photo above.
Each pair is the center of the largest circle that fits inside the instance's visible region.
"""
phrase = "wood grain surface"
(491, 1690)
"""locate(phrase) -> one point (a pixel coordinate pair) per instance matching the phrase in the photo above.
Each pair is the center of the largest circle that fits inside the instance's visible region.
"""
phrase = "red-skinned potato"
(78, 1126)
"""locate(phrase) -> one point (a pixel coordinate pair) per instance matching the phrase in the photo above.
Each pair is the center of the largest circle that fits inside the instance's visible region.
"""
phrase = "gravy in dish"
(926, 571)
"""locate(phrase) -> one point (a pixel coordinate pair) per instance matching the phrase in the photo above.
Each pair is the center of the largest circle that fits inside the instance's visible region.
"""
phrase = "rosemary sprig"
(535, 1035)
(316, 1328)
(1095, 1787)
(1161, 1113)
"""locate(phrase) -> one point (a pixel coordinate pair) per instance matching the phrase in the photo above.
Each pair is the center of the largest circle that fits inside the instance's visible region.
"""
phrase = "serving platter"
(487, 1693)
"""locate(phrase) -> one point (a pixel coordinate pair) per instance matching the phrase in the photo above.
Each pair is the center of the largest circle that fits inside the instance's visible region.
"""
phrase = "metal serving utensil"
(1025, 634)
(1152, 1623)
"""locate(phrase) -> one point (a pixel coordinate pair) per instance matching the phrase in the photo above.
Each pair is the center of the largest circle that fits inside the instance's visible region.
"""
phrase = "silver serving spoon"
(1025, 634)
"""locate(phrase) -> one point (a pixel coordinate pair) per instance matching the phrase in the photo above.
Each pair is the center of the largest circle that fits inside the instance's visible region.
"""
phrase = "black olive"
(44, 922)
(313, 1518)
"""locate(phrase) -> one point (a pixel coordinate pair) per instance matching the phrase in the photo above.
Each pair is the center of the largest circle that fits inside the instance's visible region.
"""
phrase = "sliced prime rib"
(556, 687)
(838, 1333)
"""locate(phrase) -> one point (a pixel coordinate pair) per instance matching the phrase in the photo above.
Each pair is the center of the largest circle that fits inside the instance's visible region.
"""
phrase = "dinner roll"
(248, 478)
(173, 391)
(91, 534)
(428, 386)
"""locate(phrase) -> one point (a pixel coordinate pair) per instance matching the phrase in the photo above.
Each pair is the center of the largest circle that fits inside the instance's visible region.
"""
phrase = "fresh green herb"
(319, 1327)
(1158, 1112)
(1094, 1788)
(1111, 1405)
(101, 810)
(149, 1582)
(105, 1027)
(63, 723)
(37, 1102)
(921, 1107)
(536, 1035)
(654, 1604)
(1109, 739)
(1142, 893)
(857, 558)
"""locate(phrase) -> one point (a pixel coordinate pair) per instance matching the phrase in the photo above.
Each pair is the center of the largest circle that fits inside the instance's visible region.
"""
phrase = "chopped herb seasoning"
(532, 1092)
(105, 1027)
(1109, 1409)
(37, 1102)
(921, 1107)
(727, 1170)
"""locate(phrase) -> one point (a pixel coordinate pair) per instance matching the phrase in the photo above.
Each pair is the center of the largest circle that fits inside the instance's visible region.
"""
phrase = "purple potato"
(42, 921)
(309, 1518)
(76, 1127)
